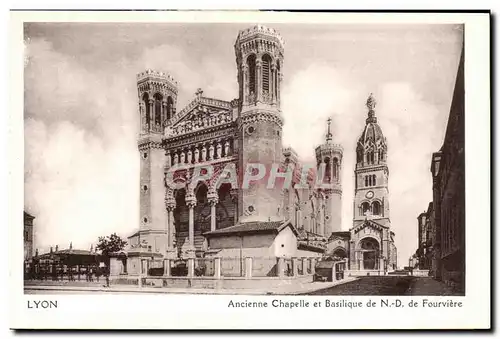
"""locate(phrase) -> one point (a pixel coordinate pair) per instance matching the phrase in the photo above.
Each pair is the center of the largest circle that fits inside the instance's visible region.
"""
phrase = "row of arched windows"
(268, 78)
(332, 170)
(370, 180)
(156, 112)
(370, 157)
(374, 208)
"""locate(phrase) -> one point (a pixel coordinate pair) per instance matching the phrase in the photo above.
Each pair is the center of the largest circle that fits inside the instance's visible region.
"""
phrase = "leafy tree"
(110, 244)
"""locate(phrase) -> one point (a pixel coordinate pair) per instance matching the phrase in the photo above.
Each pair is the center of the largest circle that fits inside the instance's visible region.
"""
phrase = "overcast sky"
(81, 120)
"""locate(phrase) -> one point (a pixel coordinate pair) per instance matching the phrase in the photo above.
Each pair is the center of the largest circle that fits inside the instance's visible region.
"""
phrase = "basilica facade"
(369, 244)
(181, 217)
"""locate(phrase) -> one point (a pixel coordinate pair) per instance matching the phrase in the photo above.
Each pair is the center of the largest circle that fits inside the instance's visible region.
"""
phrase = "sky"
(81, 117)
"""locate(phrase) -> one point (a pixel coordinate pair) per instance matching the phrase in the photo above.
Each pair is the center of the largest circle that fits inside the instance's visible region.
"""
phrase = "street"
(389, 285)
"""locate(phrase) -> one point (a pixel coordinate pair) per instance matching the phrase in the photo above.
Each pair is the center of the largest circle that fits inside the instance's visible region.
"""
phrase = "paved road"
(389, 285)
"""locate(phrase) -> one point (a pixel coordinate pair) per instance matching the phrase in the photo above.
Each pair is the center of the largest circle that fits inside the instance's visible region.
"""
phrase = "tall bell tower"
(259, 58)
(372, 173)
(157, 94)
(329, 166)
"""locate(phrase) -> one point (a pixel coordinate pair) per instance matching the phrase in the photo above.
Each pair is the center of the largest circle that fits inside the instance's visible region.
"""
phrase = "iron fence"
(204, 267)
(180, 268)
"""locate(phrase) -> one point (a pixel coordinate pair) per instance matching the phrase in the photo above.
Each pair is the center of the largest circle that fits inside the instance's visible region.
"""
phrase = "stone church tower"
(157, 93)
(259, 57)
(371, 172)
(329, 161)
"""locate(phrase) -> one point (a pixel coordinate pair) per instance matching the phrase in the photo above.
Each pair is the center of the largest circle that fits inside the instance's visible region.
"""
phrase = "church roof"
(372, 131)
(252, 227)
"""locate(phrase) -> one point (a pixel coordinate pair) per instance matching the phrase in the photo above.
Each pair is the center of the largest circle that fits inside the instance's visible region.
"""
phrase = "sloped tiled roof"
(252, 227)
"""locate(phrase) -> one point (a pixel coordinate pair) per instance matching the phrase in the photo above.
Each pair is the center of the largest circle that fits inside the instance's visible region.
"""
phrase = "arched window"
(201, 193)
(266, 73)
(376, 208)
(157, 105)
(374, 180)
(170, 108)
(145, 99)
(370, 157)
(365, 207)
(366, 181)
(335, 168)
(328, 170)
(251, 73)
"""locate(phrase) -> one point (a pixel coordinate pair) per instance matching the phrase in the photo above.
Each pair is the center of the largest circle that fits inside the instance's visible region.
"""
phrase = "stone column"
(258, 75)
(219, 150)
(191, 267)
(203, 153)
(244, 70)
(168, 159)
(211, 152)
(191, 203)
(234, 198)
(166, 267)
(152, 121)
(272, 81)
(300, 222)
(226, 149)
(196, 155)
(295, 266)
(248, 268)
(313, 265)
(213, 199)
(171, 252)
(281, 267)
(217, 273)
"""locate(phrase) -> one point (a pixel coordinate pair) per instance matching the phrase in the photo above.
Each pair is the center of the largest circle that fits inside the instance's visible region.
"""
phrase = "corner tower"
(259, 58)
(157, 94)
(329, 160)
(371, 174)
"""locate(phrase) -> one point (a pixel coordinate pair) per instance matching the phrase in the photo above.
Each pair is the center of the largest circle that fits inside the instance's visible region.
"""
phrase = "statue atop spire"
(329, 133)
(371, 103)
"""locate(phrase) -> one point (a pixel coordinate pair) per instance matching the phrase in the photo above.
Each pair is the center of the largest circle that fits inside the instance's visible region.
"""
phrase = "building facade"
(193, 162)
(448, 173)
(28, 236)
(370, 242)
(426, 238)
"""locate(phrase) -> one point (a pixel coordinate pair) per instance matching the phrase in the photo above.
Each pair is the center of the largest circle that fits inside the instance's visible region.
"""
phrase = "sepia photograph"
(245, 158)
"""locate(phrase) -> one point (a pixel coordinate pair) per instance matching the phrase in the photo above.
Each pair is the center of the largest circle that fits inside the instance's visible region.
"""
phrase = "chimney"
(36, 252)
(51, 249)
(71, 245)
(91, 248)
(57, 248)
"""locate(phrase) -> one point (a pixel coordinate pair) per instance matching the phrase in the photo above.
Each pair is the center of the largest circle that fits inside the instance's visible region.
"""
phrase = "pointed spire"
(329, 133)
(371, 103)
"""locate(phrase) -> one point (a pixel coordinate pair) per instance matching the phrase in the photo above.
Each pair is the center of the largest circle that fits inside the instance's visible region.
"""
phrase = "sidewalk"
(429, 286)
(288, 288)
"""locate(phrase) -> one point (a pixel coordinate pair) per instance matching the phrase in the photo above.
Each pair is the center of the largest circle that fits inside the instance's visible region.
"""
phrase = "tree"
(110, 244)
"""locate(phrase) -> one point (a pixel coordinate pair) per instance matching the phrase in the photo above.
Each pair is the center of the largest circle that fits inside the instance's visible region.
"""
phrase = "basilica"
(216, 217)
